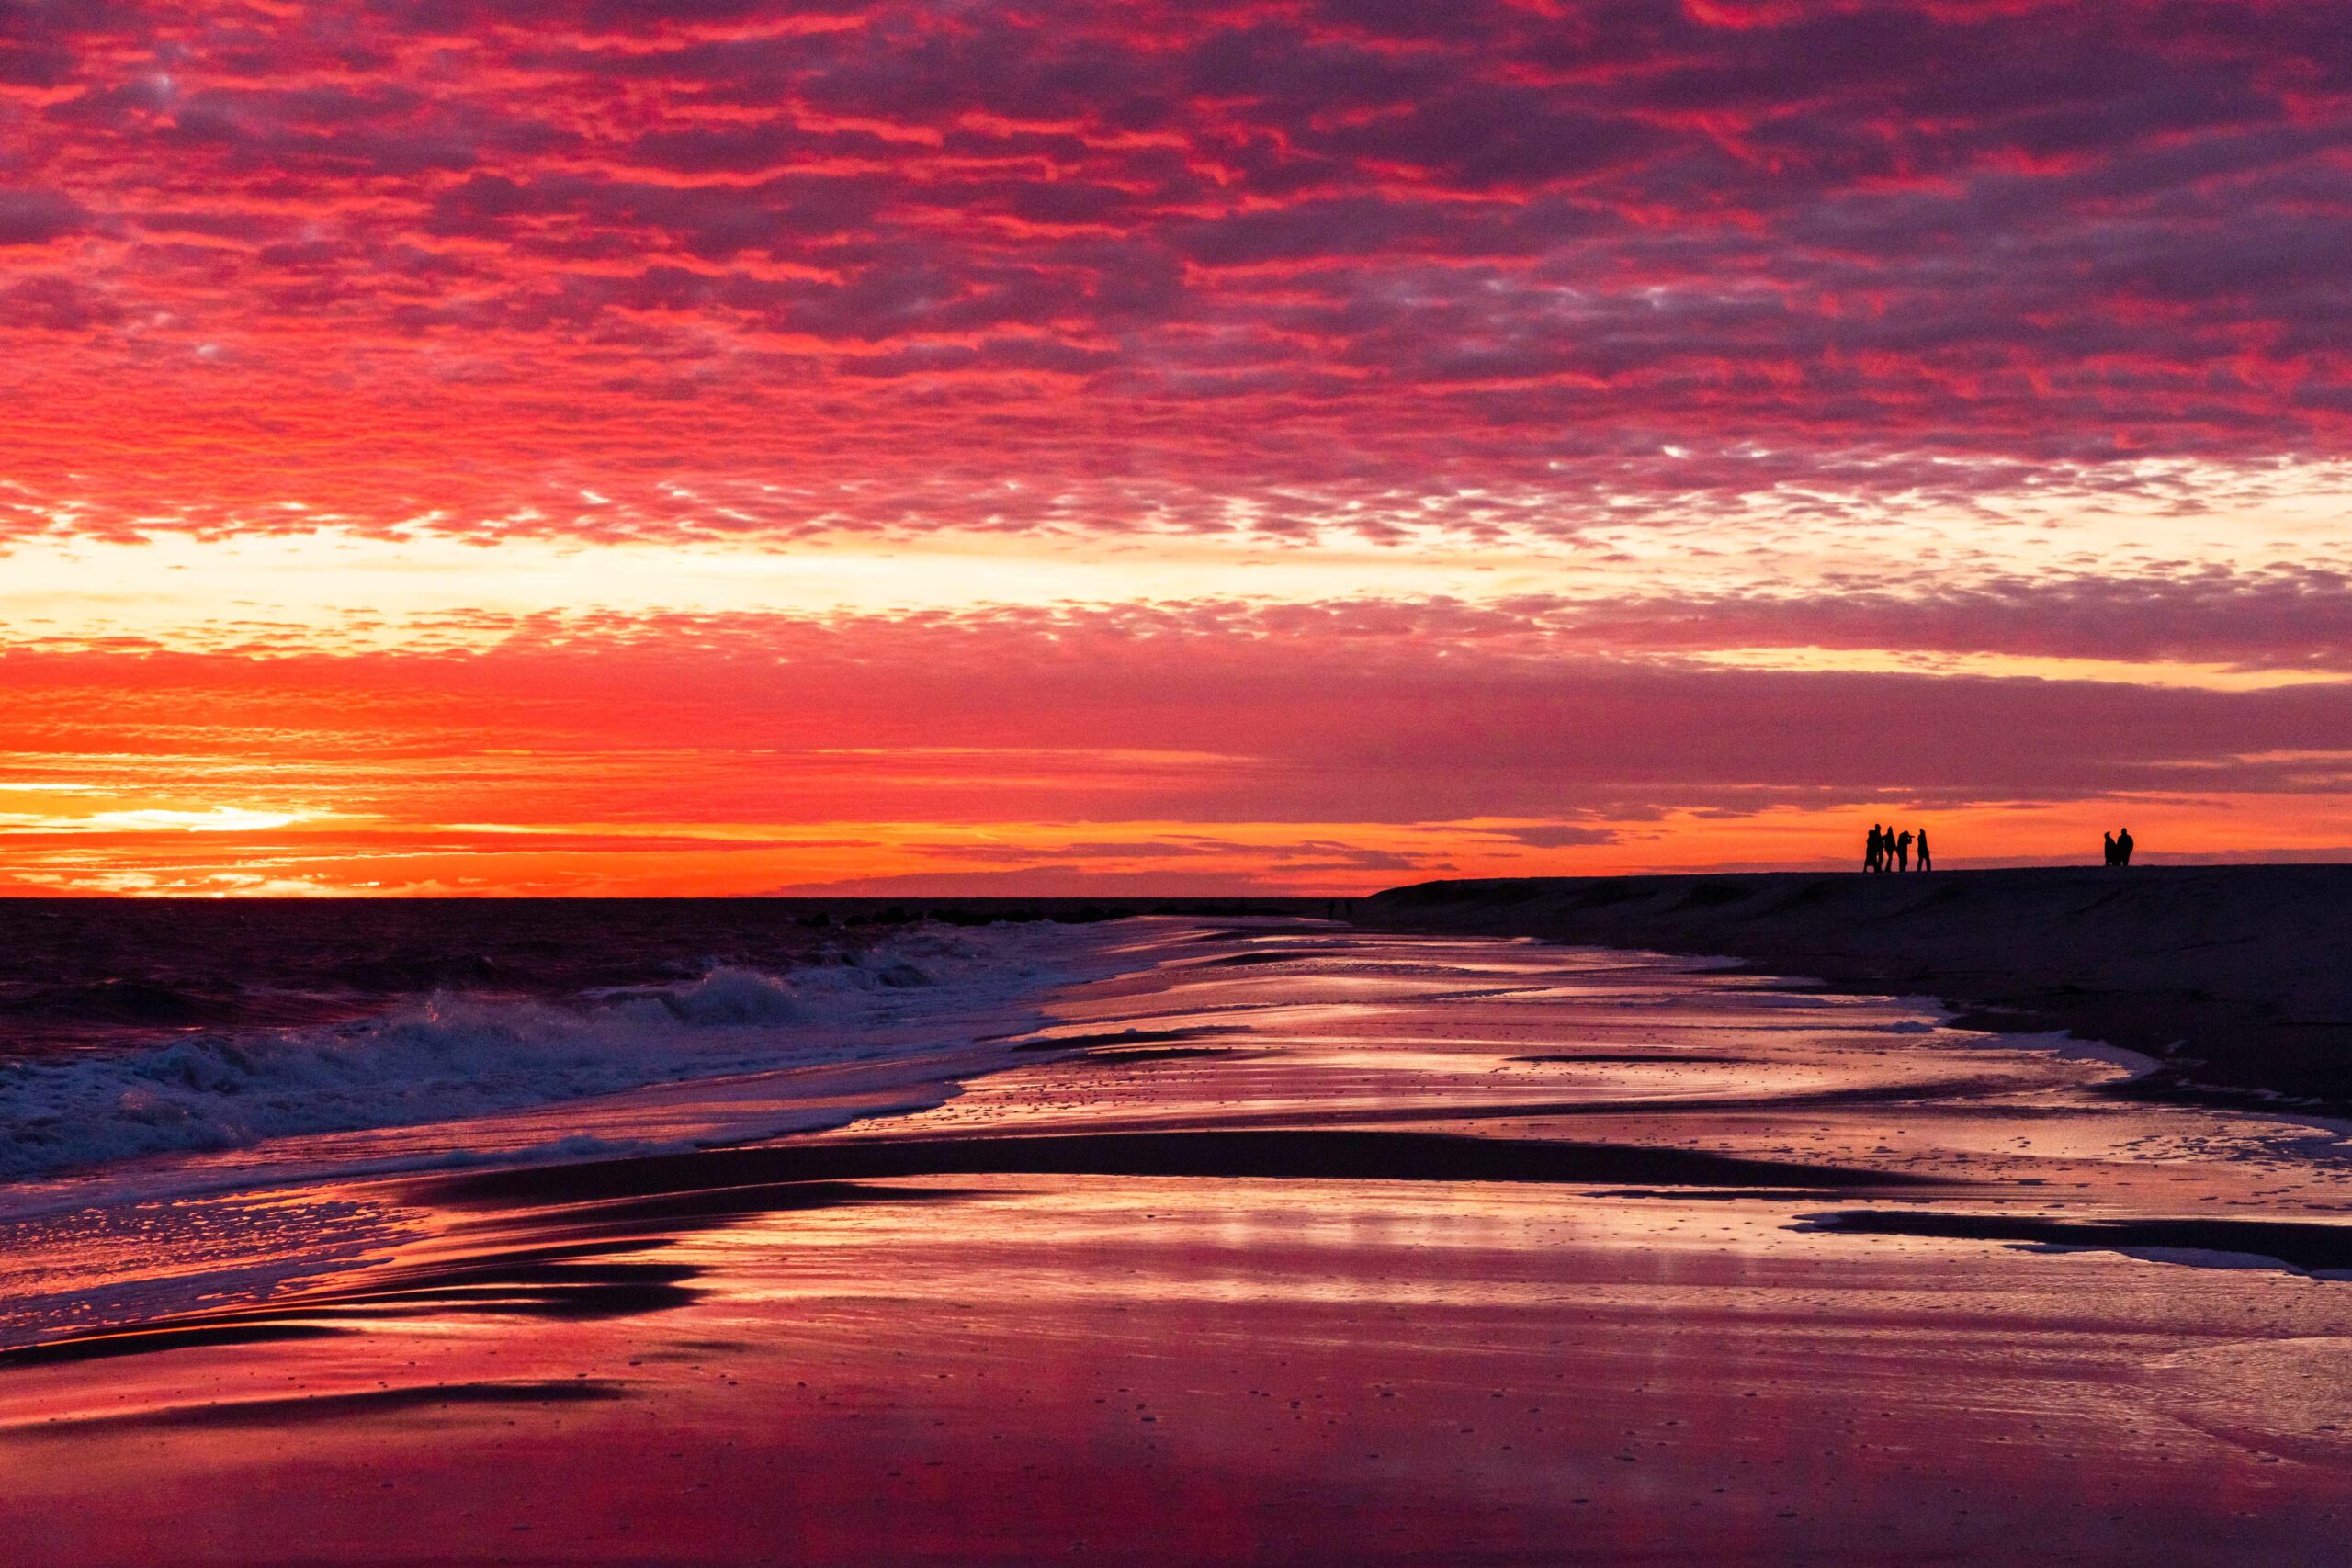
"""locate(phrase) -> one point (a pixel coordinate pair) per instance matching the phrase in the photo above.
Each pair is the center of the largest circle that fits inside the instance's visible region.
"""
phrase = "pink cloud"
(1210, 714)
(432, 257)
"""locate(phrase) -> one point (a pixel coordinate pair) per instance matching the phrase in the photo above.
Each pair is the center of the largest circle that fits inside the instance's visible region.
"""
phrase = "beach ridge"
(2239, 977)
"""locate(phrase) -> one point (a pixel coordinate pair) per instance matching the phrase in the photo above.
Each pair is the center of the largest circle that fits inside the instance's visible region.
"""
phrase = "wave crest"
(451, 1055)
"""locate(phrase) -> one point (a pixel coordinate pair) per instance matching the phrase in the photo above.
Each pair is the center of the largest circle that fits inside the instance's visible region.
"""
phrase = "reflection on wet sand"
(1297, 1244)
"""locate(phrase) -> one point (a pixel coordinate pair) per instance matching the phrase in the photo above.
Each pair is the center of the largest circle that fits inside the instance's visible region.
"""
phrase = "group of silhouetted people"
(1887, 849)
(1890, 850)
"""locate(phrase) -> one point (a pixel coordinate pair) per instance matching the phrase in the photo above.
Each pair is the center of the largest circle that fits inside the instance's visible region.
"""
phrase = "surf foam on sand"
(451, 1055)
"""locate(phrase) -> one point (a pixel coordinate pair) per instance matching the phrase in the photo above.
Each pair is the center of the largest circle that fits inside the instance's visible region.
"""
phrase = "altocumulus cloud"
(1140, 259)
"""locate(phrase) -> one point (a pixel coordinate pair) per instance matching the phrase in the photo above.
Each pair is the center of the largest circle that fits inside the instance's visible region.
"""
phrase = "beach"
(768, 777)
(1263, 1240)
(2238, 976)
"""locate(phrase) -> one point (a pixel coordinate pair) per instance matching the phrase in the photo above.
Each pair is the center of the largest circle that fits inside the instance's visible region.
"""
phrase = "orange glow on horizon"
(1253, 446)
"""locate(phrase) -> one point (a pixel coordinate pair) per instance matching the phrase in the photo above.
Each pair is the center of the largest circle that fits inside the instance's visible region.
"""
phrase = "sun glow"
(340, 587)
(641, 452)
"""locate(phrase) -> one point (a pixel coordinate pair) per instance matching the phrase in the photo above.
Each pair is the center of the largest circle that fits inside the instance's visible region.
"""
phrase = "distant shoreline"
(2238, 977)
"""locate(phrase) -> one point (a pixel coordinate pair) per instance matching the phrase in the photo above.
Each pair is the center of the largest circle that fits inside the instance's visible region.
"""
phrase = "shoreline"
(1295, 1244)
(2237, 980)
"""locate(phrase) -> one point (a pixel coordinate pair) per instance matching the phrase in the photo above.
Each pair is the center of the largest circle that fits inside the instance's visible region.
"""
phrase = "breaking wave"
(451, 1055)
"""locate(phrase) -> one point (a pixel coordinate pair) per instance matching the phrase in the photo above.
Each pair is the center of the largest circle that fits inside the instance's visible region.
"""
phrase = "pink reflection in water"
(1007, 1367)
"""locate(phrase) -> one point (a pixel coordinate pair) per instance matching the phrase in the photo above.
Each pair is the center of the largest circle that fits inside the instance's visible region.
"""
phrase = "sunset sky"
(626, 446)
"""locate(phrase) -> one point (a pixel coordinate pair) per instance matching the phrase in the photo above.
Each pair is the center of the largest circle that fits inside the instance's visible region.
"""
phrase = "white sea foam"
(452, 1056)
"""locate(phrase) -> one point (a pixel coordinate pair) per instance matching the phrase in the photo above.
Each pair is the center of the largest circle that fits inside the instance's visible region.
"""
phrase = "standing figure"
(2111, 847)
(1925, 863)
(1903, 851)
(1873, 849)
(2123, 846)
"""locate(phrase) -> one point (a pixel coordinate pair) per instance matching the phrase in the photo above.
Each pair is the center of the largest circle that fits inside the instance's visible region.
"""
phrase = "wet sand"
(2238, 976)
(1369, 1248)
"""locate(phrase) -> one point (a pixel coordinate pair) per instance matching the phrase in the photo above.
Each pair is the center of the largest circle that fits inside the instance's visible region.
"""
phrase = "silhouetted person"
(2111, 847)
(2123, 846)
(1903, 851)
(1925, 863)
(1876, 849)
